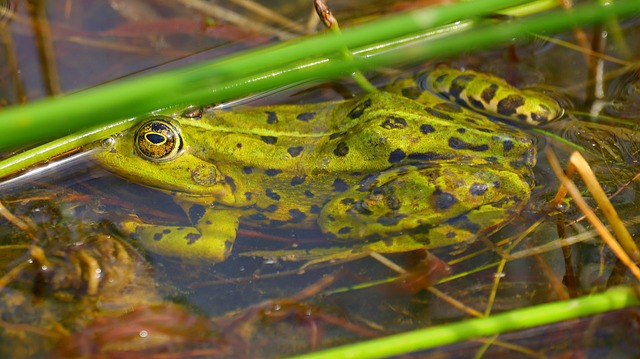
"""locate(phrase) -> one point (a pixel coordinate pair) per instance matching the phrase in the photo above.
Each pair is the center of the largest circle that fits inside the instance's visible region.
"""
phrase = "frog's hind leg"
(436, 206)
(210, 239)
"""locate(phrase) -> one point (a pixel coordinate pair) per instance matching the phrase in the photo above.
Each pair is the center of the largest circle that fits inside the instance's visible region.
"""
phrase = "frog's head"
(154, 153)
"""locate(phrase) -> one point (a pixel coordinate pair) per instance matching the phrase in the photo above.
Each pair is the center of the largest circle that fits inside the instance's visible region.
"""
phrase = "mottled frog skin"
(401, 168)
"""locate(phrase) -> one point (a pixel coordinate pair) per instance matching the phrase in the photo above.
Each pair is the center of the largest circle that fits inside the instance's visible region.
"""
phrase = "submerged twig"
(270, 15)
(578, 163)
(45, 43)
(23, 226)
(220, 12)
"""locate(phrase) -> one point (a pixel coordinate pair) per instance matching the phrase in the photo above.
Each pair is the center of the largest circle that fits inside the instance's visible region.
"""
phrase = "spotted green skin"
(493, 96)
(391, 171)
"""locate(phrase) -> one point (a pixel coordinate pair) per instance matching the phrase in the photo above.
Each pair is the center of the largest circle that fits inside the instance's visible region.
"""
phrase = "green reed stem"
(422, 339)
(193, 85)
(55, 117)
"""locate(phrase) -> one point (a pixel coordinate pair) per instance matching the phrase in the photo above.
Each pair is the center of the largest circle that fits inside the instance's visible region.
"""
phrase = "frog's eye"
(158, 140)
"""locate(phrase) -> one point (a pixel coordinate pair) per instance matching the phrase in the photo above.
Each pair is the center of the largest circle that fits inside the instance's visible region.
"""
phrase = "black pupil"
(155, 138)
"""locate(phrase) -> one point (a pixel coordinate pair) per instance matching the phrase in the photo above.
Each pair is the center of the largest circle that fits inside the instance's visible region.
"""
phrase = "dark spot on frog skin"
(315, 209)
(272, 117)
(339, 185)
(258, 217)
(192, 237)
(269, 193)
(367, 182)
(461, 102)
(231, 183)
(423, 228)
(496, 184)
(390, 221)
(464, 223)
(459, 84)
(444, 200)
(430, 156)
(157, 236)
(359, 109)
(362, 208)
(196, 212)
(247, 170)
(435, 113)
(397, 156)
(459, 144)
(489, 93)
(248, 195)
(540, 118)
(166, 231)
(296, 180)
(412, 92)
(508, 105)
(394, 123)
(478, 189)
(272, 172)
(295, 151)
(507, 145)
(269, 140)
(451, 234)
(461, 130)
(476, 104)
(239, 145)
(297, 216)
(344, 230)
(341, 149)
(307, 116)
(522, 117)
(427, 129)
(308, 194)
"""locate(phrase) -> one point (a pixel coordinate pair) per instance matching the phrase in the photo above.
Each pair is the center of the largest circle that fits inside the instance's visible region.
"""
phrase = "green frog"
(390, 171)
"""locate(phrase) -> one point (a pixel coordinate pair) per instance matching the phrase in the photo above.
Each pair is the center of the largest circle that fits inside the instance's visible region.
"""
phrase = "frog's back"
(372, 133)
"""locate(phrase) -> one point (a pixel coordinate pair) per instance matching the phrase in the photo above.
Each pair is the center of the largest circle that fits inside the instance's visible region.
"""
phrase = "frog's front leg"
(434, 205)
(210, 239)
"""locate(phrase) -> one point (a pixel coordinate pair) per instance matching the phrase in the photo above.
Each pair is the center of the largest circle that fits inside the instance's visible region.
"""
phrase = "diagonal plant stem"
(421, 339)
(52, 118)
(135, 97)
